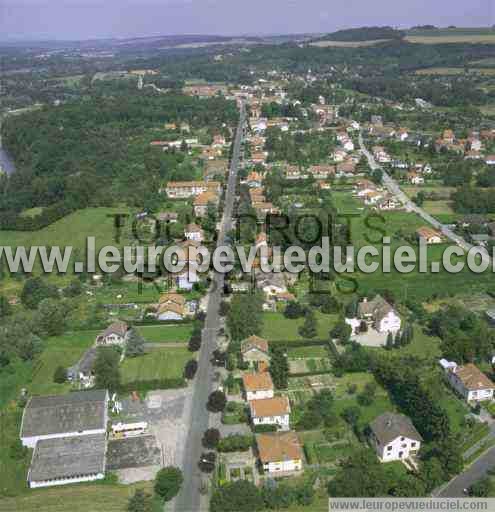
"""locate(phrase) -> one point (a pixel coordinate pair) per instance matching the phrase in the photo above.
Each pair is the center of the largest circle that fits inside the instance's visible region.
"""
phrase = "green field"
(96, 497)
(63, 351)
(277, 327)
(162, 363)
(168, 333)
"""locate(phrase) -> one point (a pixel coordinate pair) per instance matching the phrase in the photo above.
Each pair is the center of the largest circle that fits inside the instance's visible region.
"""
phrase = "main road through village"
(190, 499)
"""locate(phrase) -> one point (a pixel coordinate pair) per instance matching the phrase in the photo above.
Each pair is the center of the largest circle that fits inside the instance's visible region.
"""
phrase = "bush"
(211, 438)
(194, 343)
(60, 375)
(207, 462)
(168, 482)
(217, 401)
(190, 369)
(17, 450)
(235, 443)
(262, 429)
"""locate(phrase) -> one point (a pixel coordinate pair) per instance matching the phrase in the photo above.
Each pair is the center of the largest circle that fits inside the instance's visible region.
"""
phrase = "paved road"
(393, 187)
(455, 488)
(190, 499)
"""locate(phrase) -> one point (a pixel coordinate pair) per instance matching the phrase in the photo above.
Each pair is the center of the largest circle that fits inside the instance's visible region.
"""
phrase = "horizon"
(86, 20)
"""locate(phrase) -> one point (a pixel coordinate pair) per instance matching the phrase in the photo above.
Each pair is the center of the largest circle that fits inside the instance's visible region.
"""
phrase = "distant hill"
(364, 34)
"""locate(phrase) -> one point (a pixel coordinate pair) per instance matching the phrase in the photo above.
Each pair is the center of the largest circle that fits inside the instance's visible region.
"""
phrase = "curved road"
(393, 187)
(190, 498)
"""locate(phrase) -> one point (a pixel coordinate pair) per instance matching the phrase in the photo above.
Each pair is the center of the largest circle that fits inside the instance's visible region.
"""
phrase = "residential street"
(476, 471)
(394, 188)
(190, 498)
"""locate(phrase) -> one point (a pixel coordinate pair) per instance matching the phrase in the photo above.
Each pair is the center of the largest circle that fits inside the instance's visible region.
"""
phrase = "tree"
(207, 462)
(140, 502)
(389, 344)
(190, 369)
(106, 368)
(194, 343)
(293, 310)
(329, 304)
(341, 331)
(51, 317)
(168, 482)
(60, 375)
(279, 368)
(74, 288)
(211, 437)
(217, 401)
(361, 475)
(351, 415)
(241, 496)
(245, 306)
(482, 488)
(17, 450)
(5, 308)
(367, 396)
(135, 344)
(309, 329)
(35, 290)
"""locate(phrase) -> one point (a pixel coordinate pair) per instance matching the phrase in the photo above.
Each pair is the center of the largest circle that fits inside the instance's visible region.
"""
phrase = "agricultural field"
(277, 327)
(160, 363)
(456, 71)
(481, 35)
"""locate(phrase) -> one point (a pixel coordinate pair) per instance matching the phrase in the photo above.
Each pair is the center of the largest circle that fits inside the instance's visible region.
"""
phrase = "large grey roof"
(66, 457)
(73, 412)
(390, 426)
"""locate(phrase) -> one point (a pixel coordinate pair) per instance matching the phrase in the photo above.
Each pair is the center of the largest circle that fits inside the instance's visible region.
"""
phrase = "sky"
(87, 19)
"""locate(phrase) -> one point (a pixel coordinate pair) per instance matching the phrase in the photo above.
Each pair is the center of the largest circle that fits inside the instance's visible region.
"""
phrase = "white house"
(271, 411)
(255, 350)
(384, 317)
(394, 437)
(490, 160)
(469, 381)
(115, 334)
(194, 232)
(257, 386)
(280, 452)
(429, 235)
(172, 306)
(75, 414)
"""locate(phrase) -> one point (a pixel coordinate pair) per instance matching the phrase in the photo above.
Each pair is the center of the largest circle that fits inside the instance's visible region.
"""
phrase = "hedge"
(299, 343)
(235, 443)
(144, 386)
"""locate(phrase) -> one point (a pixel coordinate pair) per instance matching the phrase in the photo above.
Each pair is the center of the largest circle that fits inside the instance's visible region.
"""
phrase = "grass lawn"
(161, 363)
(63, 351)
(168, 333)
(95, 497)
(422, 345)
(277, 327)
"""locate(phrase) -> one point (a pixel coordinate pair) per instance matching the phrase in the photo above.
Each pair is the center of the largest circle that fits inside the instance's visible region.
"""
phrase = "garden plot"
(309, 365)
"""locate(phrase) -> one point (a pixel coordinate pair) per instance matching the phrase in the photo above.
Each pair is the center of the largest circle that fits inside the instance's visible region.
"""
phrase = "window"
(389, 448)
(413, 444)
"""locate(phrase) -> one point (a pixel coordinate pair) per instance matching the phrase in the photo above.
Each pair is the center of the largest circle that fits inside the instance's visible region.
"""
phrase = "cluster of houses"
(375, 196)
(279, 452)
(203, 193)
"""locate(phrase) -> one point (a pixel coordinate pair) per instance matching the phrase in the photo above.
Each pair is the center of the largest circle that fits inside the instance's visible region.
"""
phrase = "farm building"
(80, 413)
(68, 460)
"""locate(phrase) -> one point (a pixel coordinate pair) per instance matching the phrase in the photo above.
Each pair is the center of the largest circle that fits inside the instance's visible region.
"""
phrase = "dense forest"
(364, 34)
(95, 151)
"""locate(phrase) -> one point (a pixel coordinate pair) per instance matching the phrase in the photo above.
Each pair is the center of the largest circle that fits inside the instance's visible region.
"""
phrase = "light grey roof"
(67, 457)
(390, 426)
(73, 412)
(86, 363)
(378, 307)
